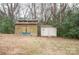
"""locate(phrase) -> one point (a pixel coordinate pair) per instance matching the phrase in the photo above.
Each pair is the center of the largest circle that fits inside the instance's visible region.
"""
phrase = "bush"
(6, 25)
(70, 26)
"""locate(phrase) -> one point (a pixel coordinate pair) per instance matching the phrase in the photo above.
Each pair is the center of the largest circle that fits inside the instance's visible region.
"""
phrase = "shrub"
(70, 26)
(6, 25)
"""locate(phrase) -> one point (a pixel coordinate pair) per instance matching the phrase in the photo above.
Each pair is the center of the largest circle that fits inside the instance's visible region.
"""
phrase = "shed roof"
(26, 23)
(28, 20)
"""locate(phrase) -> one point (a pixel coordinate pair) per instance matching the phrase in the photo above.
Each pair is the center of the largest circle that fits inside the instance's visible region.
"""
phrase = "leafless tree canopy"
(40, 11)
(9, 9)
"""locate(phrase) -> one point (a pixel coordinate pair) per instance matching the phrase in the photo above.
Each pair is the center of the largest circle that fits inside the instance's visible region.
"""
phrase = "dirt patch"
(12, 44)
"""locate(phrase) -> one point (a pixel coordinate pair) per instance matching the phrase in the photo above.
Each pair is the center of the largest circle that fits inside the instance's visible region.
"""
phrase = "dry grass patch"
(18, 44)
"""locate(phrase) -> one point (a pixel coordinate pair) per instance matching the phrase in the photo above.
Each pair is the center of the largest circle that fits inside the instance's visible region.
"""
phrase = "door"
(48, 32)
(44, 32)
(51, 32)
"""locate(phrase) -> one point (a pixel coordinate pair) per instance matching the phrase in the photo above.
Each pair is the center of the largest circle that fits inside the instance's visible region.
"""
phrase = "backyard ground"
(13, 44)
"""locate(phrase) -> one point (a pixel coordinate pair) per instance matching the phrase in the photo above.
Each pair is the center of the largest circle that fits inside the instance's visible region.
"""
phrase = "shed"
(48, 30)
(27, 27)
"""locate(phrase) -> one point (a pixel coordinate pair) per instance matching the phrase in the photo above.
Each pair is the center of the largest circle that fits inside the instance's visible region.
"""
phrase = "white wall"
(48, 31)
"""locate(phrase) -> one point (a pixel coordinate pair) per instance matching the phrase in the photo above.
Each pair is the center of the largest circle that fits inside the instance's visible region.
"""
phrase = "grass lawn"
(17, 44)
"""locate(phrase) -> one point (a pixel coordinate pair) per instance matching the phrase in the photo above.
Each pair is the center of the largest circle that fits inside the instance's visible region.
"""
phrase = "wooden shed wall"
(26, 28)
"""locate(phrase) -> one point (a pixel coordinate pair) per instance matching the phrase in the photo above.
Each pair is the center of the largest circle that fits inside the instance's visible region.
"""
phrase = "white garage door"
(52, 32)
(44, 32)
(48, 32)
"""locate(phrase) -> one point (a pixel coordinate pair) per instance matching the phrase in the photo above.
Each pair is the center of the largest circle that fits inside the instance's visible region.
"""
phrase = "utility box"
(47, 30)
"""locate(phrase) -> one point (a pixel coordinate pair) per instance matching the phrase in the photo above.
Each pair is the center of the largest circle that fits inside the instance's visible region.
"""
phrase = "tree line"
(63, 16)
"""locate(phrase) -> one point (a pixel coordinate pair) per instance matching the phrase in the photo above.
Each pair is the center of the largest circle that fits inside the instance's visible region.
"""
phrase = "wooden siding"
(26, 28)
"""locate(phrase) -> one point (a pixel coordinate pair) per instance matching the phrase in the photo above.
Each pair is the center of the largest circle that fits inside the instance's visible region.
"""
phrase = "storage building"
(26, 27)
(47, 30)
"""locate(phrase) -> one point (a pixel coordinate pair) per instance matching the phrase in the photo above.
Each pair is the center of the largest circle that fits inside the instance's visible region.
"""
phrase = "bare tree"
(9, 9)
(53, 9)
(34, 10)
(62, 10)
(31, 10)
(24, 10)
(42, 10)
